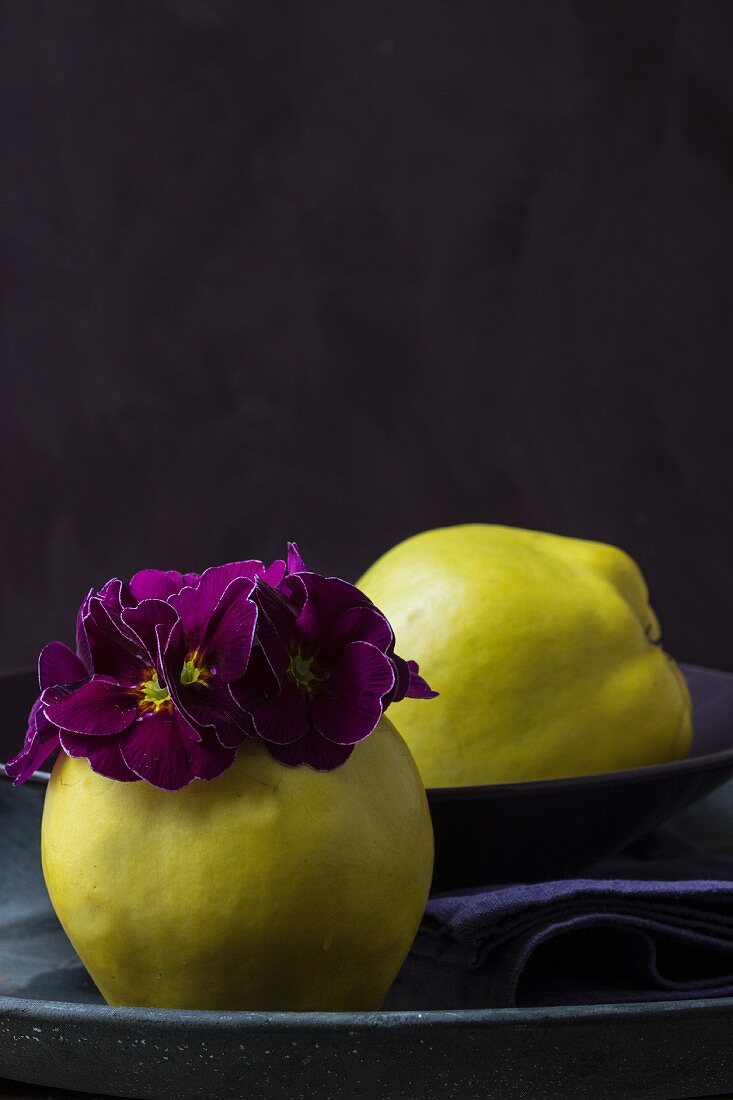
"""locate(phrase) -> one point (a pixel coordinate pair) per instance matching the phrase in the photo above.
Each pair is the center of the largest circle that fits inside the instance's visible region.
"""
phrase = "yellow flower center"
(154, 697)
(303, 672)
(194, 670)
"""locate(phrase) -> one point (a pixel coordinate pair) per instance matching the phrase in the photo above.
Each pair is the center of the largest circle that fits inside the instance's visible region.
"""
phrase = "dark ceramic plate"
(55, 1031)
(533, 831)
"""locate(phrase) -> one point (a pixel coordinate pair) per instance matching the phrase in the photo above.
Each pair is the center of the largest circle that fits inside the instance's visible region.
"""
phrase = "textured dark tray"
(54, 1029)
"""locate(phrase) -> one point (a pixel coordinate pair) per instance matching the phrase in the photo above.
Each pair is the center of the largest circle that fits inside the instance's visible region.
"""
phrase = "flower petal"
(295, 562)
(402, 680)
(82, 642)
(115, 650)
(274, 573)
(144, 621)
(228, 640)
(41, 739)
(327, 599)
(259, 680)
(210, 705)
(280, 718)
(98, 708)
(103, 754)
(419, 688)
(313, 750)
(156, 584)
(349, 705)
(360, 624)
(233, 728)
(57, 664)
(276, 625)
(197, 605)
(115, 595)
(169, 664)
(156, 749)
(28, 761)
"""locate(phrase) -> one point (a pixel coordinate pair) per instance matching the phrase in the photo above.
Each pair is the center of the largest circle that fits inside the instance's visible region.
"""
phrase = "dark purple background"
(344, 271)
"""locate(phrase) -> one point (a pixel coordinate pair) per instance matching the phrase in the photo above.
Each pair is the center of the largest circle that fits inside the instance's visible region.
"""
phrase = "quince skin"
(544, 650)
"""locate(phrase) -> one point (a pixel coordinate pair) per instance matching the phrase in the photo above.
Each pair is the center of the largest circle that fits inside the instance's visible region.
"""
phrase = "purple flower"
(173, 670)
(58, 667)
(408, 681)
(147, 696)
(323, 670)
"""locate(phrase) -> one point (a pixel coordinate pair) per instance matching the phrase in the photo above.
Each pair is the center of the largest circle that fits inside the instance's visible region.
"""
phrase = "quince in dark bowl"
(555, 828)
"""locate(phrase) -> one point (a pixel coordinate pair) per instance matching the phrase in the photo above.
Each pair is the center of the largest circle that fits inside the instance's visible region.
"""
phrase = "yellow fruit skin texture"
(541, 649)
(268, 888)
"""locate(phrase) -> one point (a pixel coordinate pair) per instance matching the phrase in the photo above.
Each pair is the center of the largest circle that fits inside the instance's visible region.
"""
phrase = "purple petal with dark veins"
(172, 650)
(41, 739)
(280, 718)
(229, 730)
(98, 708)
(57, 664)
(35, 715)
(327, 598)
(156, 750)
(56, 694)
(228, 638)
(206, 704)
(82, 642)
(275, 626)
(419, 688)
(156, 584)
(250, 569)
(402, 680)
(30, 760)
(312, 750)
(259, 680)
(116, 594)
(231, 645)
(114, 597)
(219, 623)
(295, 562)
(254, 568)
(202, 608)
(212, 707)
(103, 754)
(359, 624)
(274, 573)
(349, 705)
(171, 655)
(115, 650)
(144, 621)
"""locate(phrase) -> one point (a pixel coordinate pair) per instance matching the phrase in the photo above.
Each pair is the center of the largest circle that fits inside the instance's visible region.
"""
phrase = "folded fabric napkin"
(655, 923)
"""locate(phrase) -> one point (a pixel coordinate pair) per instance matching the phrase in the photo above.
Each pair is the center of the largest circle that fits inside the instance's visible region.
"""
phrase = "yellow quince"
(544, 650)
(267, 888)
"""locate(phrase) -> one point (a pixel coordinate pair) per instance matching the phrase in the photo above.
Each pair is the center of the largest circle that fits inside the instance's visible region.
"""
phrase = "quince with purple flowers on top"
(232, 822)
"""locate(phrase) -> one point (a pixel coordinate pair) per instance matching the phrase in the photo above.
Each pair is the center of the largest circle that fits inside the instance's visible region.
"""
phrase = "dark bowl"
(528, 832)
(512, 832)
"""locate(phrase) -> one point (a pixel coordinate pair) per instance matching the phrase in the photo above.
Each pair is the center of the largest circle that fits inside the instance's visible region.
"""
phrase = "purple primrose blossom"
(174, 670)
(323, 669)
(146, 697)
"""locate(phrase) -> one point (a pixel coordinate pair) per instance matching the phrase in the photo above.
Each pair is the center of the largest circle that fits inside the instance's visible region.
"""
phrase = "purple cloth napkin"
(655, 923)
